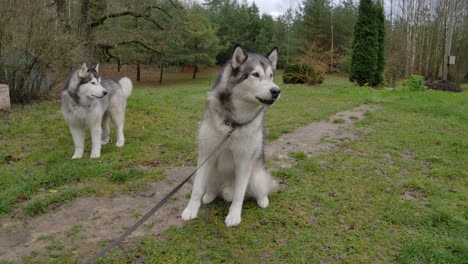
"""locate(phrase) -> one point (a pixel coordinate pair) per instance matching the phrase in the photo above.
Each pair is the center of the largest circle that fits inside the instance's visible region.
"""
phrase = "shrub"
(413, 83)
(310, 69)
(35, 50)
(302, 73)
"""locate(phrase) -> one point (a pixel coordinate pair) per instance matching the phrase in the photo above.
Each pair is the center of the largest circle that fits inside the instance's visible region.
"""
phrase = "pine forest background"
(41, 41)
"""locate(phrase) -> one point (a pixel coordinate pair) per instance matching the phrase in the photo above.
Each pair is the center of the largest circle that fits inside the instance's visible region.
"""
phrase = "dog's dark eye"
(93, 83)
(256, 75)
(271, 75)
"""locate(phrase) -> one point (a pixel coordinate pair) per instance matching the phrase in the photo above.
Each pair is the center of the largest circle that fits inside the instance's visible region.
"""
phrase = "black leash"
(157, 206)
(229, 123)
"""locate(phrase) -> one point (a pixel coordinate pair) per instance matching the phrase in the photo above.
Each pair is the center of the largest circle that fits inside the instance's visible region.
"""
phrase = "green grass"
(339, 121)
(386, 198)
(349, 206)
(161, 127)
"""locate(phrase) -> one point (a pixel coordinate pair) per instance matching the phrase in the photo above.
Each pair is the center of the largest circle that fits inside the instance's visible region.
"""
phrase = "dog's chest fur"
(80, 114)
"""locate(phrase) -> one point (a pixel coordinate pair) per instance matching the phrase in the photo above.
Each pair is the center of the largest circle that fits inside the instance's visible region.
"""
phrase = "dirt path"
(80, 226)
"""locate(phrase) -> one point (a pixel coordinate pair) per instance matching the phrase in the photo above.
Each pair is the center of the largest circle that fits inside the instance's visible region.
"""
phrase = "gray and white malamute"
(90, 101)
(238, 99)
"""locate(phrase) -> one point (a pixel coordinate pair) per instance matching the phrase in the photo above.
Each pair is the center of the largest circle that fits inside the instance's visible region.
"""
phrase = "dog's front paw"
(233, 220)
(263, 202)
(95, 155)
(189, 214)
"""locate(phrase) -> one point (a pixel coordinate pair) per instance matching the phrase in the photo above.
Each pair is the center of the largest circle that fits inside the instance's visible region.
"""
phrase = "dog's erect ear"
(83, 70)
(96, 68)
(273, 57)
(238, 57)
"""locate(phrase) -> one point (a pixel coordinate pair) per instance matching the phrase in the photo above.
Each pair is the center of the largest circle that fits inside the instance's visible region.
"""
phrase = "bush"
(26, 77)
(35, 51)
(310, 69)
(413, 83)
(293, 73)
(302, 73)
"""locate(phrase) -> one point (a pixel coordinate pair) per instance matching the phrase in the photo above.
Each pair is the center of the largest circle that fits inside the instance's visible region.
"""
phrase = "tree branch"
(106, 47)
(103, 19)
(160, 9)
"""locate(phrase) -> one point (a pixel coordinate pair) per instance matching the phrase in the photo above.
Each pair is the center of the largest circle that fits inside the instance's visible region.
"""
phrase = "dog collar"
(234, 124)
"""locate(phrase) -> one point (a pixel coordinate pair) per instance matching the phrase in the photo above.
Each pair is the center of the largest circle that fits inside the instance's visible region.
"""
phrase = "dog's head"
(252, 76)
(90, 82)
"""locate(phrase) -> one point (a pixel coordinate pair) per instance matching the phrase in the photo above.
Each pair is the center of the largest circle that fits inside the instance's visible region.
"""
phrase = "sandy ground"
(83, 224)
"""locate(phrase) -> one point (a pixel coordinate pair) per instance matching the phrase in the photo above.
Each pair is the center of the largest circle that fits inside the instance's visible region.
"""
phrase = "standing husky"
(90, 101)
(238, 100)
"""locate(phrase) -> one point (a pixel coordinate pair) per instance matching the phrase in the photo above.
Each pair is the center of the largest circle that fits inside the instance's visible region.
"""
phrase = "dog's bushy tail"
(127, 86)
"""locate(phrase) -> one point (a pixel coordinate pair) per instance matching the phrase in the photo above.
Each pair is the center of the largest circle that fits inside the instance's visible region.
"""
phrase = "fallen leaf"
(52, 191)
(22, 197)
(438, 143)
(417, 214)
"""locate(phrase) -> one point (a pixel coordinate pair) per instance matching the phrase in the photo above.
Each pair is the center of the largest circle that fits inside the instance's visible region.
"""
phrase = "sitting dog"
(244, 88)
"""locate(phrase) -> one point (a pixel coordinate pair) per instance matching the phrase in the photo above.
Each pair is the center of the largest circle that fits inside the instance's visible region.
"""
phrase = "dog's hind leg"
(260, 185)
(105, 129)
(78, 134)
(118, 117)
(213, 186)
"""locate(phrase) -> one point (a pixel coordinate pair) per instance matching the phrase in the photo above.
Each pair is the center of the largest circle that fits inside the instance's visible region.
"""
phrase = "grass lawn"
(398, 195)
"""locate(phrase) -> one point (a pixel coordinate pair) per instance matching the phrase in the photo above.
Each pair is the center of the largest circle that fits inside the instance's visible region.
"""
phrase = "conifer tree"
(365, 45)
(380, 27)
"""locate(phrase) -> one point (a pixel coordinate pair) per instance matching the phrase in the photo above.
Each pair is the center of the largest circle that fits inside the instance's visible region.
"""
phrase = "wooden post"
(4, 98)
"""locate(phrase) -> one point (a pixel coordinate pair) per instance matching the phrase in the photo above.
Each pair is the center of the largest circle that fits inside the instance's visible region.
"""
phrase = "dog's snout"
(275, 92)
(104, 92)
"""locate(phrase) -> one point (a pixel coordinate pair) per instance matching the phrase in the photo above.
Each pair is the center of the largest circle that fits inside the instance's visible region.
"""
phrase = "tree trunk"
(118, 65)
(84, 28)
(161, 74)
(195, 70)
(448, 37)
(331, 29)
(138, 71)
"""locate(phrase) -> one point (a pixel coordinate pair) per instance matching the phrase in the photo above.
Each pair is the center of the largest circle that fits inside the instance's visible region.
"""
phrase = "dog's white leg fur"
(208, 197)
(243, 174)
(118, 119)
(191, 211)
(227, 193)
(260, 185)
(78, 135)
(96, 132)
(105, 129)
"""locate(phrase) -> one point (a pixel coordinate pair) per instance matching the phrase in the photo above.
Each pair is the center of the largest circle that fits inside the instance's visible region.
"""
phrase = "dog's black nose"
(105, 92)
(275, 92)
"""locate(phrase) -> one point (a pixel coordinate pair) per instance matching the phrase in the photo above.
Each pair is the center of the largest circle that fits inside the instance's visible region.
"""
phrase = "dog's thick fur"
(243, 90)
(91, 101)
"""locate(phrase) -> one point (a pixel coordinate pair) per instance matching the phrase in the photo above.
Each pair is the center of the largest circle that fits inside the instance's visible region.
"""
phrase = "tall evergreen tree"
(380, 27)
(365, 45)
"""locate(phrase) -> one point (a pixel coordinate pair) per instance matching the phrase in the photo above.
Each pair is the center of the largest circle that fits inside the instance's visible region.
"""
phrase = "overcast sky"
(274, 7)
